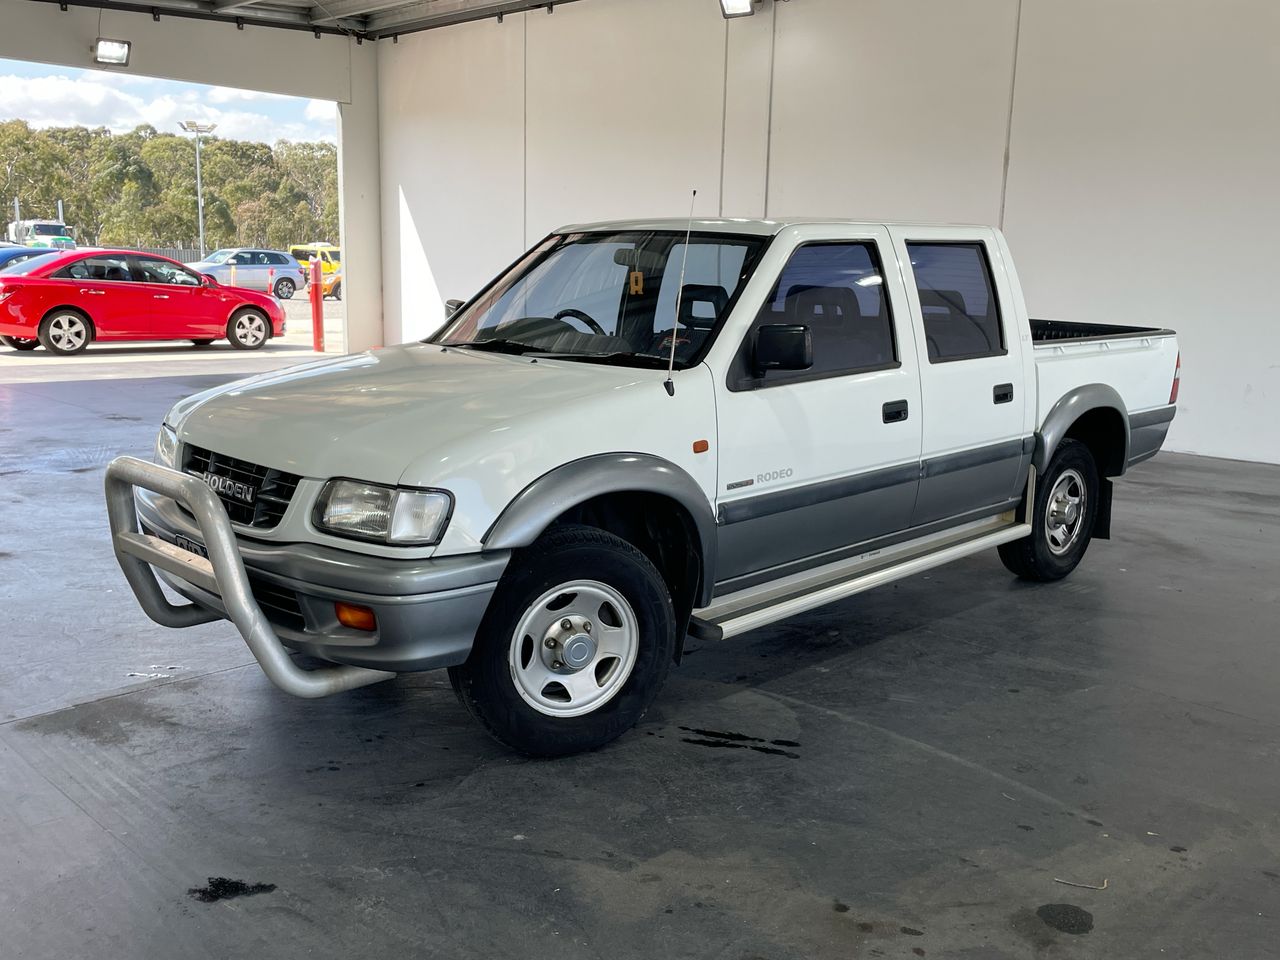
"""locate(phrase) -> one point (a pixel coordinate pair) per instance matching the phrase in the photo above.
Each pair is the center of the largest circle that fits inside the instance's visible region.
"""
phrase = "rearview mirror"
(452, 306)
(783, 346)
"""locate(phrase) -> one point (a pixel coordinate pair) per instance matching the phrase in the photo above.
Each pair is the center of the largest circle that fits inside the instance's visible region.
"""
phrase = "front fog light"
(167, 447)
(367, 511)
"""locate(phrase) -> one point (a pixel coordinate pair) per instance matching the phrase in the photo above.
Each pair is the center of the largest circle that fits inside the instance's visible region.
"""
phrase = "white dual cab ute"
(639, 432)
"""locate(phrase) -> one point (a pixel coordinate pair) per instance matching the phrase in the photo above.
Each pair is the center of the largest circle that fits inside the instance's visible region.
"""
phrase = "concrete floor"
(955, 746)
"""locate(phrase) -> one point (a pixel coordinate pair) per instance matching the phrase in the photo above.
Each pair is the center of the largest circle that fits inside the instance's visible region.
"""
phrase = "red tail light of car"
(1177, 379)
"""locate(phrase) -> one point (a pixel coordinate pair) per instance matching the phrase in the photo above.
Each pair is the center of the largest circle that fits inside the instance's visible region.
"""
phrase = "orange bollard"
(316, 292)
(271, 280)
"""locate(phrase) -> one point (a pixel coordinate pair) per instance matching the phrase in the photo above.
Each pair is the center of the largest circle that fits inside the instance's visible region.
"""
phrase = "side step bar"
(768, 603)
(222, 574)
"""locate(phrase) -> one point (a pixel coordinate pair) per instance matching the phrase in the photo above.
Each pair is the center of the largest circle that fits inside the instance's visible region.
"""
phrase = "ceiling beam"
(331, 11)
(431, 14)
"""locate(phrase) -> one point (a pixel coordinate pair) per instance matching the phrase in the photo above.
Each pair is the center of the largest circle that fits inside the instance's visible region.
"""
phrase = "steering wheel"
(579, 315)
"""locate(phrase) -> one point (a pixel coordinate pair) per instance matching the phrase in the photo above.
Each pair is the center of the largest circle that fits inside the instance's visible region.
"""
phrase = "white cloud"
(94, 99)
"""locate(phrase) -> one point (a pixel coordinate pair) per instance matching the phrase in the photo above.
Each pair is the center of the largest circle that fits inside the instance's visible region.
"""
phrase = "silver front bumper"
(222, 574)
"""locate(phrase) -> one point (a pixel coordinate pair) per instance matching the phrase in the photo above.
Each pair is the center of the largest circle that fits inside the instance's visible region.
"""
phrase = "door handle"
(160, 296)
(1002, 393)
(95, 293)
(895, 411)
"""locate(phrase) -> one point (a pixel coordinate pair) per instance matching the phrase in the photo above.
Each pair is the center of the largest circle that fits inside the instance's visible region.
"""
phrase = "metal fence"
(182, 254)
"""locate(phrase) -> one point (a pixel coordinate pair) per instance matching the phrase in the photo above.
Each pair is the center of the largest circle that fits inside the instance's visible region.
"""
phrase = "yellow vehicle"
(330, 256)
(331, 284)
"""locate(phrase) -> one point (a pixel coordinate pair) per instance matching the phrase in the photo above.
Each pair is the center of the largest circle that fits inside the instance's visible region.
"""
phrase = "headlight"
(167, 447)
(366, 511)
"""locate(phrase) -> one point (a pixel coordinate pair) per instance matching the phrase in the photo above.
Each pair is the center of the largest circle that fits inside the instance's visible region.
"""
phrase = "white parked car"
(532, 500)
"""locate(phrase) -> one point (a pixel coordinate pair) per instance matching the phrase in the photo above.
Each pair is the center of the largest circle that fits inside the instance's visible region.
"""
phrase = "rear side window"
(279, 259)
(97, 268)
(958, 300)
(837, 291)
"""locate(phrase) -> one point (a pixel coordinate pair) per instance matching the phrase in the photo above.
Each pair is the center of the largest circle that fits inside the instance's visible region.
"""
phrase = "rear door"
(817, 461)
(977, 423)
(102, 285)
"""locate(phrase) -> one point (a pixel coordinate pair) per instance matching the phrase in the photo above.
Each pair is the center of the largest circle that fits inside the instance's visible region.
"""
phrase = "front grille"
(280, 605)
(255, 496)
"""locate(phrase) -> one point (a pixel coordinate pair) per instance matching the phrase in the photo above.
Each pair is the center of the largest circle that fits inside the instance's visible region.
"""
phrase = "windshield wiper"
(497, 345)
(616, 358)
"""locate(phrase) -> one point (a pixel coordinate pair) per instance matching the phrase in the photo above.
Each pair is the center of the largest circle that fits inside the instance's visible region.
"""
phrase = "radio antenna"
(684, 262)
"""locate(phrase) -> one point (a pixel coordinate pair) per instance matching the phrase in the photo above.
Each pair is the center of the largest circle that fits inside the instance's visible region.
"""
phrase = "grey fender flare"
(538, 504)
(1070, 408)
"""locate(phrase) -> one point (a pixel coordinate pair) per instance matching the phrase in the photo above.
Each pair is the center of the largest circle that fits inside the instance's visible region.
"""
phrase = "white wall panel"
(1143, 189)
(891, 109)
(452, 122)
(625, 111)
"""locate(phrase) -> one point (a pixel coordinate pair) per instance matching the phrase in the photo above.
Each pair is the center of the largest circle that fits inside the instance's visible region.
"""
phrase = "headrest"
(710, 293)
(950, 300)
(807, 303)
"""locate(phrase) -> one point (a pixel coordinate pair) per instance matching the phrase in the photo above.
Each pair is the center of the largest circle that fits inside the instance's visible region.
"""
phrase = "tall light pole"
(192, 126)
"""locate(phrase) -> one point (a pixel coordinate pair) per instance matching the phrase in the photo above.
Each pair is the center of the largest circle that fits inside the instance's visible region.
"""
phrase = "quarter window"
(958, 300)
(837, 291)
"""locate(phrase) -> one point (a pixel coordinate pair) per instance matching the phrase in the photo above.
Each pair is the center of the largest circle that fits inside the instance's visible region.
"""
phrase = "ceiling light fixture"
(112, 52)
(737, 8)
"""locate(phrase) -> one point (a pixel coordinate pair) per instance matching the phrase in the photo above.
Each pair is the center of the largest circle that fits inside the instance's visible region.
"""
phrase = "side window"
(97, 268)
(277, 259)
(958, 300)
(162, 271)
(837, 291)
(243, 259)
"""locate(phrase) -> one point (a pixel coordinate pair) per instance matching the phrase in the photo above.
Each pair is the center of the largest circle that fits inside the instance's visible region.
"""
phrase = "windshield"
(49, 229)
(218, 256)
(23, 267)
(610, 297)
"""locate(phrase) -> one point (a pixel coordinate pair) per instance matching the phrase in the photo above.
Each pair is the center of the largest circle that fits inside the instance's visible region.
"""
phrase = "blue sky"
(66, 96)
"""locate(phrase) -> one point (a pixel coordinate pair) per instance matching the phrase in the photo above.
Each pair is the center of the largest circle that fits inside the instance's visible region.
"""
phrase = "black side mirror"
(452, 306)
(783, 346)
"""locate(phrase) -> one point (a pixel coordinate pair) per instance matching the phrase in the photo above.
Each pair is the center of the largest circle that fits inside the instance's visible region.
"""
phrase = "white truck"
(639, 432)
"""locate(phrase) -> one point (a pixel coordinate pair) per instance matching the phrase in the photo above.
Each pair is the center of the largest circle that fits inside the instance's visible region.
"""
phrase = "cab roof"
(755, 227)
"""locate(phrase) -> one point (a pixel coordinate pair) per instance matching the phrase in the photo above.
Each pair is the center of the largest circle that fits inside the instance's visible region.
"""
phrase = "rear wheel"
(574, 647)
(19, 344)
(337, 291)
(65, 331)
(248, 329)
(285, 288)
(1062, 520)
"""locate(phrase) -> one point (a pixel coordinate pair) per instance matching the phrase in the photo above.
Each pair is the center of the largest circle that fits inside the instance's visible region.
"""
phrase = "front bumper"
(283, 595)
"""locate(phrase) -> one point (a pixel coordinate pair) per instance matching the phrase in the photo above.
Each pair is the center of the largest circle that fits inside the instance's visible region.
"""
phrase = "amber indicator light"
(701, 446)
(356, 617)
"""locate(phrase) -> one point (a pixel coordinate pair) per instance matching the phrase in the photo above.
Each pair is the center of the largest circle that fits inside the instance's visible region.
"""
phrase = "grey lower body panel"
(427, 611)
(1147, 431)
(958, 483)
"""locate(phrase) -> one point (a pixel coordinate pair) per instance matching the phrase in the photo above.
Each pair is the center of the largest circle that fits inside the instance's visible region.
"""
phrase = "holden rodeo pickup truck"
(640, 432)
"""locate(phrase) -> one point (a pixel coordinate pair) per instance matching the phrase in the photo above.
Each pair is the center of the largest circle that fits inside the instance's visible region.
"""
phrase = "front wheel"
(1062, 521)
(337, 291)
(575, 645)
(248, 330)
(18, 343)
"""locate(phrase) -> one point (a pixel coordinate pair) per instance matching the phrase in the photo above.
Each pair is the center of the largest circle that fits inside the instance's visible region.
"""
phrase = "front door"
(815, 462)
(169, 296)
(974, 389)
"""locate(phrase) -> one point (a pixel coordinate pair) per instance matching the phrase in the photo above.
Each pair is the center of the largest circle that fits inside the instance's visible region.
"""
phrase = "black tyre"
(1062, 522)
(337, 291)
(19, 344)
(574, 647)
(65, 331)
(285, 288)
(201, 343)
(248, 329)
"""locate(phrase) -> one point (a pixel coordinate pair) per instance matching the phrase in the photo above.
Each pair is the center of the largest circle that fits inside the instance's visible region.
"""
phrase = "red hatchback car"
(65, 301)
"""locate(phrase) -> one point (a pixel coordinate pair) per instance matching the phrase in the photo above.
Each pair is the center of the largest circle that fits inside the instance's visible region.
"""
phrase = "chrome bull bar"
(222, 574)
